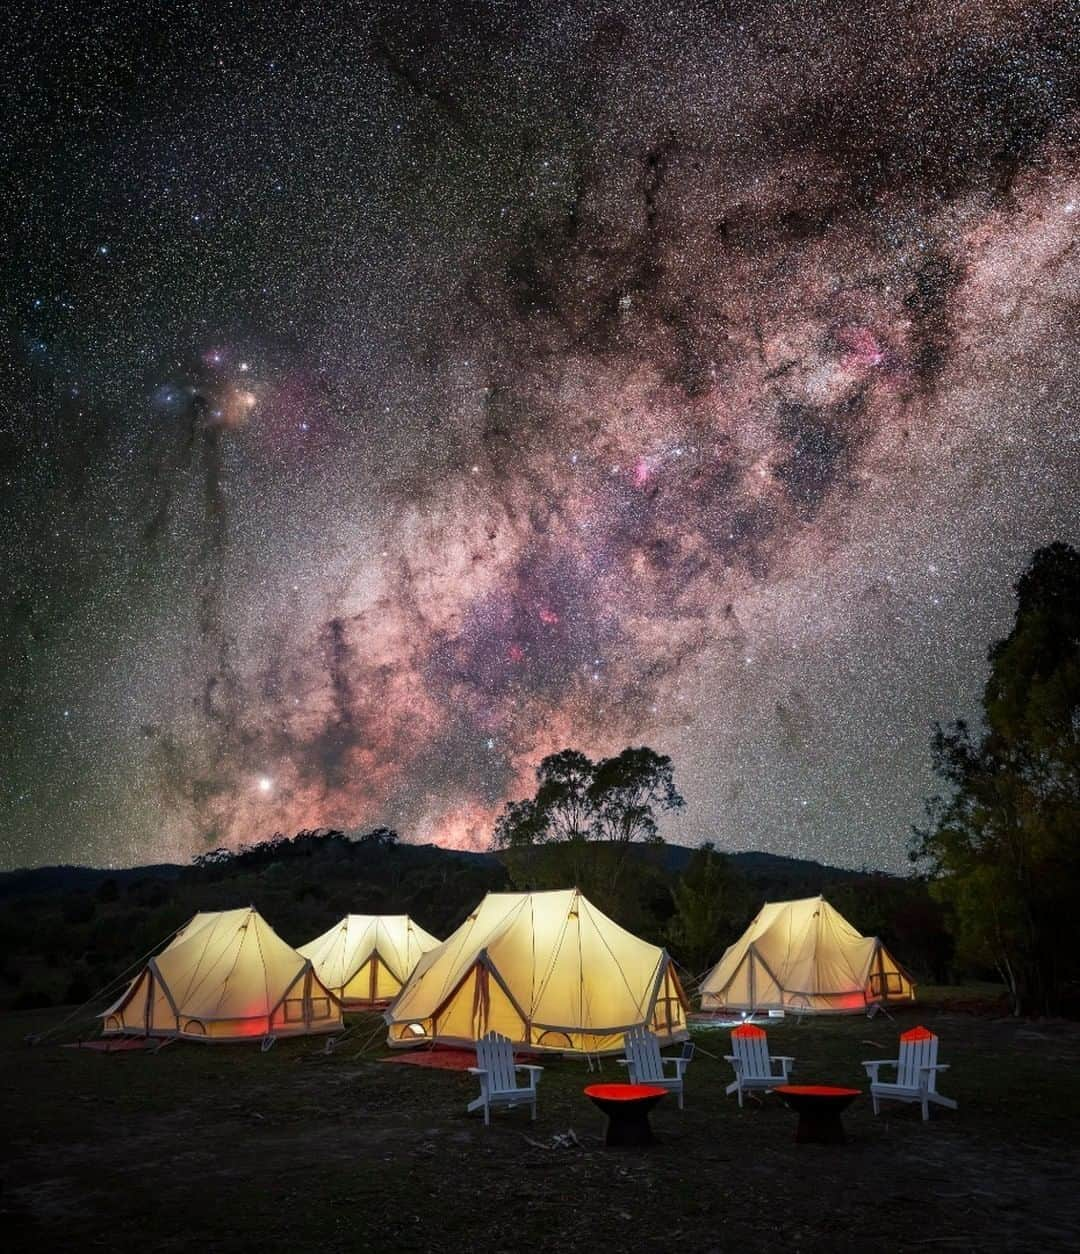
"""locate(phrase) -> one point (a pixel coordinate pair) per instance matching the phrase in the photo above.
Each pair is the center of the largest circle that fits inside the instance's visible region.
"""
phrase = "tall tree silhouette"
(1004, 838)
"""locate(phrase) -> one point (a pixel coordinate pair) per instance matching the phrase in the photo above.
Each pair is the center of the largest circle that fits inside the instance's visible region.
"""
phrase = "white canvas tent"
(549, 971)
(804, 957)
(365, 959)
(226, 976)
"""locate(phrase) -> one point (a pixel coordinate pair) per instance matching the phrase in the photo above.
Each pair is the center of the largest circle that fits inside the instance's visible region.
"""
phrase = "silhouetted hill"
(755, 865)
(73, 879)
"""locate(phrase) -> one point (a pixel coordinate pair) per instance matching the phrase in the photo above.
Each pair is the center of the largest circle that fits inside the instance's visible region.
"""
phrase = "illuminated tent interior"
(804, 957)
(365, 959)
(226, 976)
(549, 971)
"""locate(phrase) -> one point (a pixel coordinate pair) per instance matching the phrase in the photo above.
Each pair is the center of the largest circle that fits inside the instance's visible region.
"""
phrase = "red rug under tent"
(445, 1058)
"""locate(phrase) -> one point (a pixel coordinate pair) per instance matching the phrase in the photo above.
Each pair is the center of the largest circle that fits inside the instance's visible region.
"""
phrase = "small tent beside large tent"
(549, 971)
(365, 959)
(804, 957)
(226, 976)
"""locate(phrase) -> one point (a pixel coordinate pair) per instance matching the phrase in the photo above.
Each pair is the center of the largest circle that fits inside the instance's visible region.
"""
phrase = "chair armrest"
(680, 1065)
(781, 1058)
(623, 1062)
(730, 1058)
(875, 1063)
(524, 1066)
(477, 1070)
(936, 1066)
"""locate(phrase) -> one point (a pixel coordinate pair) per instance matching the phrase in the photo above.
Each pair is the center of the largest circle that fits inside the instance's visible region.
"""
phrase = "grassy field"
(226, 1149)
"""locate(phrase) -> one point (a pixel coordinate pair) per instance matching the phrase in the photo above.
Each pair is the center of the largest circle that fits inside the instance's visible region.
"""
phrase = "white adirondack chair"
(916, 1073)
(497, 1073)
(646, 1064)
(753, 1063)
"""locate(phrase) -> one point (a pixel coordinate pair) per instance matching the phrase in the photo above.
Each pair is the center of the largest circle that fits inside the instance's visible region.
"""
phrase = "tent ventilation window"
(294, 1009)
(666, 1015)
(320, 1007)
(416, 1029)
(885, 983)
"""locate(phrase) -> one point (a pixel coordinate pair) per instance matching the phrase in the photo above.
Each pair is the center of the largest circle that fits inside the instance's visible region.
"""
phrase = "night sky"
(394, 396)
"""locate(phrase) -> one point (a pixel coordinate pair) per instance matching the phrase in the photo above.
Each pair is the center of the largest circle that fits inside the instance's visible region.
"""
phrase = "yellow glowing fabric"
(226, 975)
(549, 971)
(805, 957)
(365, 959)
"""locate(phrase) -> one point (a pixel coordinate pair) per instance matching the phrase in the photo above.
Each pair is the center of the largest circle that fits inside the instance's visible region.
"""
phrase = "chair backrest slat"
(495, 1055)
(643, 1053)
(750, 1045)
(918, 1049)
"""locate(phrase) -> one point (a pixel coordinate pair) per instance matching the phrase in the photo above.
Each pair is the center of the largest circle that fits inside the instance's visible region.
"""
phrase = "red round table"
(819, 1107)
(627, 1107)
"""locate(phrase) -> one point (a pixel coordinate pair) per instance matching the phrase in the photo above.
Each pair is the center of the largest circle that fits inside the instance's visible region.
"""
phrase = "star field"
(396, 394)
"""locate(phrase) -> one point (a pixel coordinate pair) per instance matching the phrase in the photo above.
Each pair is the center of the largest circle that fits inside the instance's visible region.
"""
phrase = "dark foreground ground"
(226, 1149)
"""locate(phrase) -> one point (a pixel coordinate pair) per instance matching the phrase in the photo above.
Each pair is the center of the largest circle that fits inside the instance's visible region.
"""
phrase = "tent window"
(416, 1029)
(320, 1007)
(666, 1014)
(883, 983)
(294, 1009)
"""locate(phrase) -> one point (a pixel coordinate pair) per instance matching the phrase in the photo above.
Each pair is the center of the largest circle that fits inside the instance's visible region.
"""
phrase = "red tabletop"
(624, 1092)
(816, 1090)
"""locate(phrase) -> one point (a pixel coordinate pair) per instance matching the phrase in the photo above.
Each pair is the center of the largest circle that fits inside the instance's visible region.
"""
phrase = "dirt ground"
(226, 1149)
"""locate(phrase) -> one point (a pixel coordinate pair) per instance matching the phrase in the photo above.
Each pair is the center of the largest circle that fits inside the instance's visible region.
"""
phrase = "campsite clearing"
(228, 1149)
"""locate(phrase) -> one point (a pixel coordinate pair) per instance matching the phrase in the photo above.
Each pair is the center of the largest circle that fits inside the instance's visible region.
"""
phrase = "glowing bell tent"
(226, 976)
(549, 971)
(365, 959)
(804, 957)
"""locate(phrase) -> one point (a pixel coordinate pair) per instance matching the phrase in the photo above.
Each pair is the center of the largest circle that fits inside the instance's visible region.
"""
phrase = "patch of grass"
(223, 1148)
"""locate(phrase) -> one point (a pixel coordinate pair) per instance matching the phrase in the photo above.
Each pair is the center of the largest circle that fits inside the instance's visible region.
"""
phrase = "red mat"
(443, 1057)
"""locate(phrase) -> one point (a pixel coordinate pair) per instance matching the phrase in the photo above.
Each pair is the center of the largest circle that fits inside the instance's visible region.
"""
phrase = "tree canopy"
(1003, 838)
(616, 799)
(584, 815)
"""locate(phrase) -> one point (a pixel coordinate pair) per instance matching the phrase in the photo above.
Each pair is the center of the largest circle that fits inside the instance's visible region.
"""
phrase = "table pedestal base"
(820, 1128)
(819, 1107)
(629, 1127)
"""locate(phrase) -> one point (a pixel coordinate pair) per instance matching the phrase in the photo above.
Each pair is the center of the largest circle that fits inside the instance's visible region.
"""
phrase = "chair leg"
(925, 1108)
(487, 1115)
(740, 1097)
(877, 1103)
(680, 1097)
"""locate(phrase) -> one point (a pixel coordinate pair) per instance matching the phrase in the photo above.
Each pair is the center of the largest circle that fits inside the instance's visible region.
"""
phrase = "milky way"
(393, 398)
